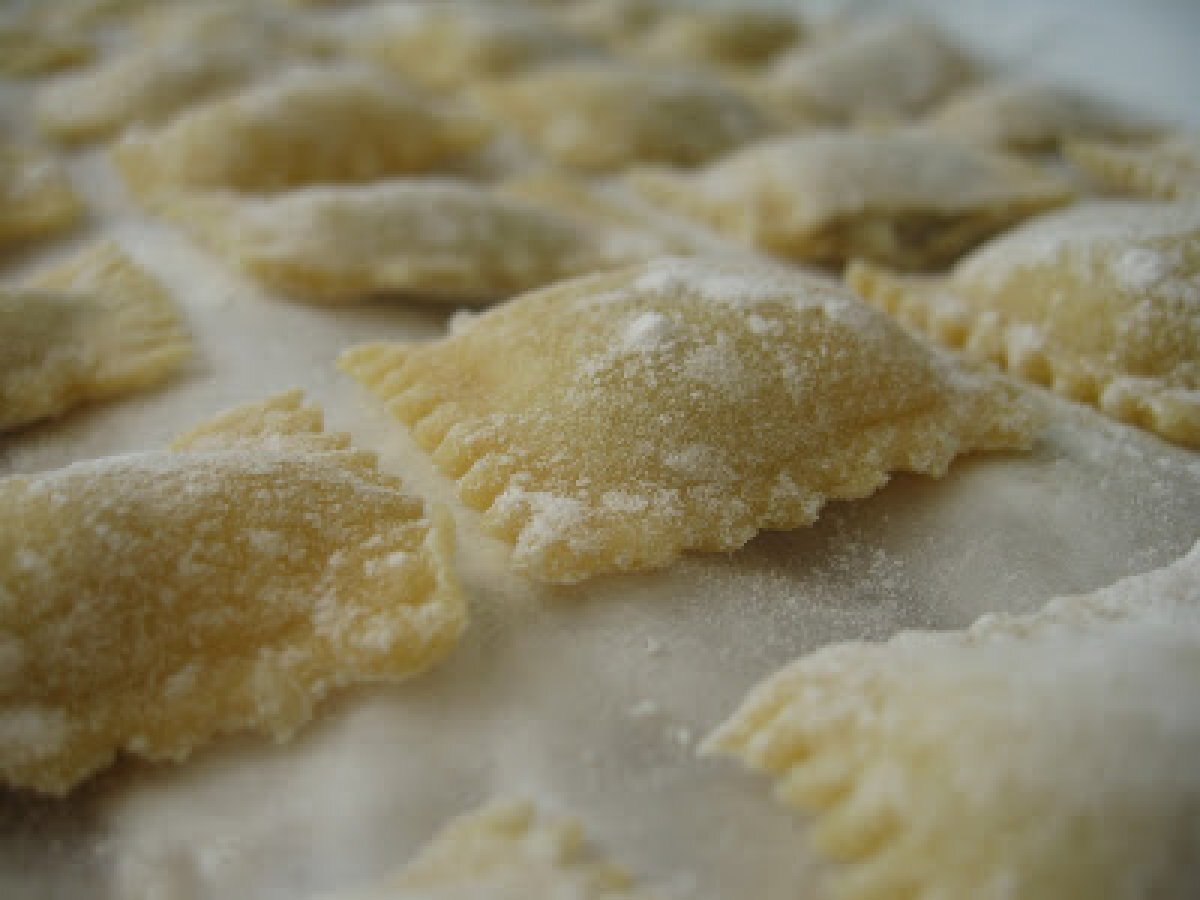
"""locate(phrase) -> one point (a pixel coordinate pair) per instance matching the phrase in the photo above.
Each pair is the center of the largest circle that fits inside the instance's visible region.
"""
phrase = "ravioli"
(683, 404)
(149, 83)
(1043, 756)
(609, 203)
(720, 34)
(95, 327)
(152, 601)
(602, 117)
(1100, 301)
(1167, 169)
(36, 196)
(434, 238)
(448, 46)
(310, 124)
(29, 48)
(909, 199)
(90, 14)
(884, 70)
(506, 850)
(1025, 115)
(219, 20)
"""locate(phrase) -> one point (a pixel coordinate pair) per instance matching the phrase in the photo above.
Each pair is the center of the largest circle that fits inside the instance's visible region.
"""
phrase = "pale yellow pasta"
(152, 81)
(306, 125)
(152, 601)
(887, 69)
(36, 196)
(89, 14)
(723, 34)
(220, 20)
(1042, 757)
(506, 850)
(605, 116)
(96, 327)
(1100, 301)
(909, 199)
(432, 238)
(610, 203)
(1027, 115)
(447, 45)
(28, 48)
(1167, 169)
(681, 404)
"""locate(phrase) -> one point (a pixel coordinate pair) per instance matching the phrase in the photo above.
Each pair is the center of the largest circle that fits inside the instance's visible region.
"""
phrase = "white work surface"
(590, 699)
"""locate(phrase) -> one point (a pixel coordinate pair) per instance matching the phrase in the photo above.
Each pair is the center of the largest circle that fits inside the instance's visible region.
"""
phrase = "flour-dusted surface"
(451, 45)
(94, 328)
(1024, 114)
(154, 600)
(149, 83)
(605, 116)
(588, 699)
(1101, 301)
(336, 123)
(1167, 170)
(896, 67)
(36, 198)
(1040, 756)
(683, 404)
(507, 850)
(428, 237)
(909, 199)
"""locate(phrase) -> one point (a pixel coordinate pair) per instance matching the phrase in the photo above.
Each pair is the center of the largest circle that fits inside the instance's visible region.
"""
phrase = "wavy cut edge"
(926, 304)
(488, 469)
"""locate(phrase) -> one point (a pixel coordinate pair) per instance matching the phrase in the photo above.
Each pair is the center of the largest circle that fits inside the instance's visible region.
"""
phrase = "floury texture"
(716, 397)
(934, 761)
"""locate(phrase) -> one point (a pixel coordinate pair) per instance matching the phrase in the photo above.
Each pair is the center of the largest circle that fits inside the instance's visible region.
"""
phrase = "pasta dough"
(609, 203)
(887, 69)
(1031, 116)
(1099, 301)
(1168, 169)
(93, 328)
(32, 48)
(150, 83)
(36, 197)
(89, 14)
(506, 850)
(1041, 757)
(149, 602)
(603, 117)
(214, 21)
(908, 199)
(453, 46)
(436, 238)
(681, 404)
(729, 34)
(313, 124)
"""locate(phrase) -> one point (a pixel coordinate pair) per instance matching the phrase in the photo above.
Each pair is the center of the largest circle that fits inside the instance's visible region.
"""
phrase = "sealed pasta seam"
(39, 199)
(927, 305)
(1131, 169)
(143, 335)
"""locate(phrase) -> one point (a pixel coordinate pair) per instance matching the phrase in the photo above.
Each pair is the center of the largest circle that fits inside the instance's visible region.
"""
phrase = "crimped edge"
(54, 208)
(838, 237)
(300, 431)
(142, 339)
(488, 470)
(927, 305)
(1128, 168)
